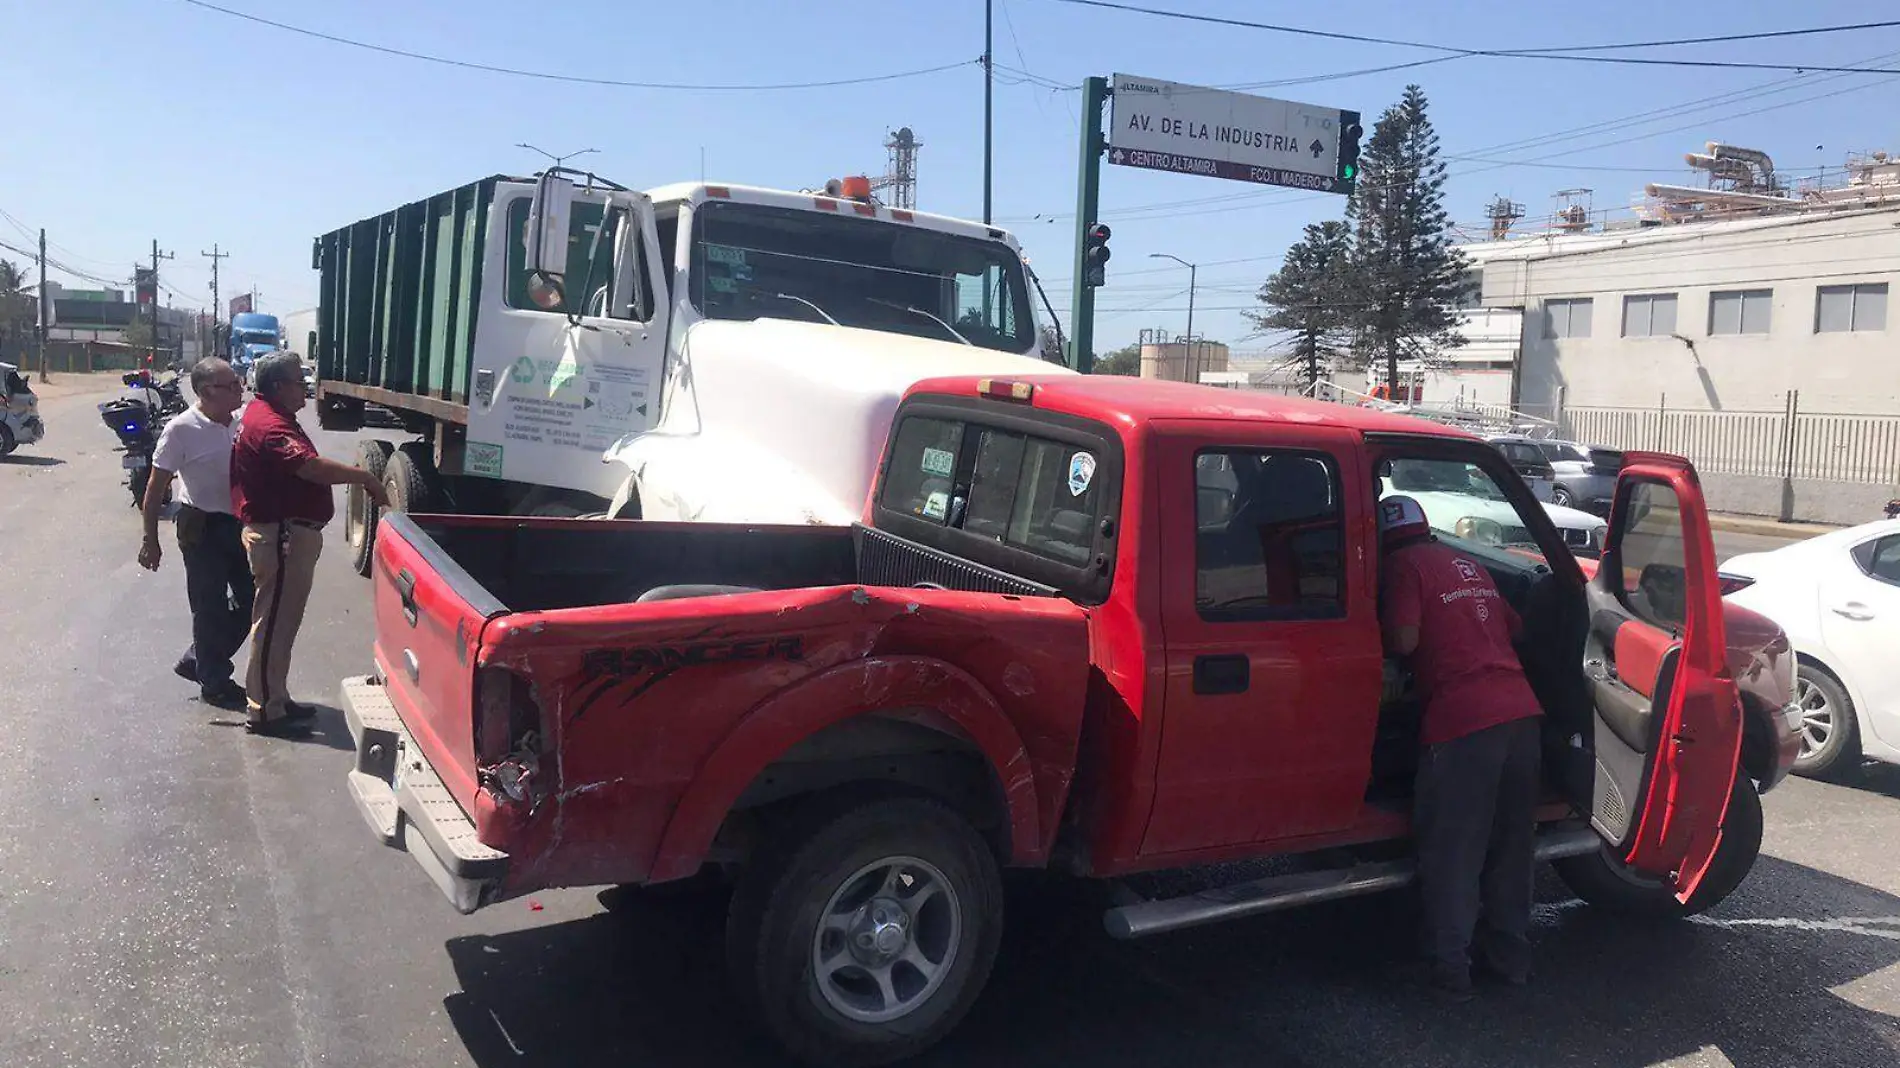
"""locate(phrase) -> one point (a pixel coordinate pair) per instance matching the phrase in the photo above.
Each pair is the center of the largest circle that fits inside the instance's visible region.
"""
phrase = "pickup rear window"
(1023, 497)
(1019, 489)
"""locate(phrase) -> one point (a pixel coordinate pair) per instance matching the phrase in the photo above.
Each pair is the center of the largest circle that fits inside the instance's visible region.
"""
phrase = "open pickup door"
(1668, 725)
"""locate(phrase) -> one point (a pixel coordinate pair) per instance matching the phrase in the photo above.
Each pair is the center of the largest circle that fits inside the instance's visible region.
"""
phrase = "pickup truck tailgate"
(429, 619)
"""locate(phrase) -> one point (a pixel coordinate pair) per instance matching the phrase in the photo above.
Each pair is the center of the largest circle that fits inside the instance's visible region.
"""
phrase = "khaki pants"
(283, 564)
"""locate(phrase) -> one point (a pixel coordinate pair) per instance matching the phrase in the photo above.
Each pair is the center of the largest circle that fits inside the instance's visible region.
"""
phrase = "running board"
(1306, 888)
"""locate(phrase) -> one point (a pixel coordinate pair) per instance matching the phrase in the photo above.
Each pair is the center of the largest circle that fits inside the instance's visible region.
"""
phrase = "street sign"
(1191, 129)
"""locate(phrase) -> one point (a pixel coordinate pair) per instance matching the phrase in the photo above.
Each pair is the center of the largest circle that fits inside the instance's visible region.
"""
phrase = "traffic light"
(1095, 254)
(1349, 134)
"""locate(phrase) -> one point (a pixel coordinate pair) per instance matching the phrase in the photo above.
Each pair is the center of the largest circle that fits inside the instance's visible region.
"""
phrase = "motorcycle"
(136, 419)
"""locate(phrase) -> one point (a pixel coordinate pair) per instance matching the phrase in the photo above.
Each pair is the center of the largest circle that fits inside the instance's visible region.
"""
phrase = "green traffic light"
(1349, 171)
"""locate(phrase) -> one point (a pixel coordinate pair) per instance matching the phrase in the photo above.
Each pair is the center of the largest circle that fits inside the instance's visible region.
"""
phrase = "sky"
(143, 119)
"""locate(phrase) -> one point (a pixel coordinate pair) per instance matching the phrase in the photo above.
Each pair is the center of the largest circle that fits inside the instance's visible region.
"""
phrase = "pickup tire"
(865, 934)
(359, 512)
(1603, 881)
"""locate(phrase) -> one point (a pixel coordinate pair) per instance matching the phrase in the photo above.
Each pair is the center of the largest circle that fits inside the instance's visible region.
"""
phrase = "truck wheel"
(1830, 734)
(865, 935)
(359, 515)
(410, 480)
(1603, 881)
(6, 440)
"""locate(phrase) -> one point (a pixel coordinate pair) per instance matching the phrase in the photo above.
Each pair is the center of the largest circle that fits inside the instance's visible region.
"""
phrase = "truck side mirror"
(548, 219)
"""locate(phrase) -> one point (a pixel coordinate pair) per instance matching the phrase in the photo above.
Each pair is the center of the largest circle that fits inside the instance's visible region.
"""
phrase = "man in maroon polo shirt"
(280, 488)
(1475, 806)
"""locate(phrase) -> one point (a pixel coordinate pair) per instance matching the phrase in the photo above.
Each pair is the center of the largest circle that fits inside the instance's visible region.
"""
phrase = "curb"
(1762, 525)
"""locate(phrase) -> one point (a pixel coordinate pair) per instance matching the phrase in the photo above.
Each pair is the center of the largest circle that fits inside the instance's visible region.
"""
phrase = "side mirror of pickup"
(548, 218)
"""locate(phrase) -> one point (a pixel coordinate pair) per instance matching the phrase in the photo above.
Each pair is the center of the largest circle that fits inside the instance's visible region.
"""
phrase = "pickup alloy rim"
(1817, 716)
(886, 939)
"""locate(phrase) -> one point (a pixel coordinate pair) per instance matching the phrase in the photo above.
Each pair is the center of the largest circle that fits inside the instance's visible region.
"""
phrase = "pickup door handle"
(1221, 674)
(1854, 610)
(406, 588)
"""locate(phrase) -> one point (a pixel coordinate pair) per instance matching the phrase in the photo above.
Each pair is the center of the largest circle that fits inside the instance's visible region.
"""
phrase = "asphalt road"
(175, 892)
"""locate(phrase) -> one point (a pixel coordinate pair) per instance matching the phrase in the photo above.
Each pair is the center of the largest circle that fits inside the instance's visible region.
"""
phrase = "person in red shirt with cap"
(1474, 813)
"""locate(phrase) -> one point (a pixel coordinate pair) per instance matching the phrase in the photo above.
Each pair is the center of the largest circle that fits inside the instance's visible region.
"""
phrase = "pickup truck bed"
(578, 643)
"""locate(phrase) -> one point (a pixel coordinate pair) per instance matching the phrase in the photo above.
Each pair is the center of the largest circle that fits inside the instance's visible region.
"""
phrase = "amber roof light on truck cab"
(1004, 389)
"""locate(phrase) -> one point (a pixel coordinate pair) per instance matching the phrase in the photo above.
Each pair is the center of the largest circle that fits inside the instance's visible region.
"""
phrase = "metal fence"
(1790, 443)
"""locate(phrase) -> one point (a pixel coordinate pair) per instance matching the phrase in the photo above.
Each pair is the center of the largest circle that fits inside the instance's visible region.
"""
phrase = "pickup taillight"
(508, 735)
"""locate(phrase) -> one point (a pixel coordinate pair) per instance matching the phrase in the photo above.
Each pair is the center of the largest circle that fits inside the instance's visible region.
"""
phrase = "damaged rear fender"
(858, 688)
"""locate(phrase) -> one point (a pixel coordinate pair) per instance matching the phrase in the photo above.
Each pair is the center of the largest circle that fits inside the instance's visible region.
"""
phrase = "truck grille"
(887, 560)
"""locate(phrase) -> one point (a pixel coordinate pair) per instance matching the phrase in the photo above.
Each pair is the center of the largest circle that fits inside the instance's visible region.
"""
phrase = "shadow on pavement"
(327, 727)
(19, 459)
(1767, 982)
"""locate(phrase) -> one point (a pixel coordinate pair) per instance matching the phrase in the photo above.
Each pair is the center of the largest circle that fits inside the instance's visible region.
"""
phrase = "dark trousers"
(219, 586)
(1476, 826)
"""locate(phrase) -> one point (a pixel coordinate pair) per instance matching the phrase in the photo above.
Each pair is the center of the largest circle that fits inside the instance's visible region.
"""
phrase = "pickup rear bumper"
(403, 799)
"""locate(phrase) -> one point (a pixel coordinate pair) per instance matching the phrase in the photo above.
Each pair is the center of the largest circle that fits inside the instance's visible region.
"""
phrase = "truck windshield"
(752, 262)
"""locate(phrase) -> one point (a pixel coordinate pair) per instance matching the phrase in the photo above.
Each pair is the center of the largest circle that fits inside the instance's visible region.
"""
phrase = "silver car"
(1585, 474)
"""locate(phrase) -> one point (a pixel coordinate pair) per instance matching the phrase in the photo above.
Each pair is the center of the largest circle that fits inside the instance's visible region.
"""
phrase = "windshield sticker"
(725, 254)
(1081, 473)
(937, 505)
(939, 462)
(721, 284)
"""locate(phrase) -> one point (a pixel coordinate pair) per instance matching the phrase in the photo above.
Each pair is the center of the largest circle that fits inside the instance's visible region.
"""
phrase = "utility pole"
(216, 306)
(989, 90)
(1088, 188)
(39, 332)
(1193, 353)
(156, 256)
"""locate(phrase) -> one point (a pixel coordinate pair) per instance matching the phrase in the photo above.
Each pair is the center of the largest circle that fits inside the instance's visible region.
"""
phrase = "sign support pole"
(1088, 189)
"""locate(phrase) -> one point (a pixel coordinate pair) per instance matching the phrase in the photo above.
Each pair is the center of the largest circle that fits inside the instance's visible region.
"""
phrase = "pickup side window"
(1651, 554)
(1269, 536)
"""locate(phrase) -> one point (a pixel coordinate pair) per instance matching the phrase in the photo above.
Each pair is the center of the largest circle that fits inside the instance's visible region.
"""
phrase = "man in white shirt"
(195, 449)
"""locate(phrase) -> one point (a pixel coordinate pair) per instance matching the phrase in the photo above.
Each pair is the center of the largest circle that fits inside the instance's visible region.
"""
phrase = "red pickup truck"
(1094, 624)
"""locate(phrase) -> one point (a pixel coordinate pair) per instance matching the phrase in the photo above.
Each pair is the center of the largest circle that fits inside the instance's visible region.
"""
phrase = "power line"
(571, 78)
(1521, 53)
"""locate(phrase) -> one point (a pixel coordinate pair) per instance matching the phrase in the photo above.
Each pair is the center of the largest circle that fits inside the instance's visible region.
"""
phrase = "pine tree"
(1405, 277)
(1308, 298)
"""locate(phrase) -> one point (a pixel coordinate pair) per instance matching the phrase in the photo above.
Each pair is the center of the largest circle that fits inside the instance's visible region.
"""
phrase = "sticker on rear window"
(936, 505)
(939, 462)
(724, 254)
(1081, 473)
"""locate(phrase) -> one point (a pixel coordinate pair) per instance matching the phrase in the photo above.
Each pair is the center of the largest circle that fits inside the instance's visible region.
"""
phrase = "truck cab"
(1104, 626)
(696, 352)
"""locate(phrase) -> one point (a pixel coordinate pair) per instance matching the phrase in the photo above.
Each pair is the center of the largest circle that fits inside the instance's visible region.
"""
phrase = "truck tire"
(359, 512)
(6, 440)
(410, 481)
(865, 934)
(1602, 880)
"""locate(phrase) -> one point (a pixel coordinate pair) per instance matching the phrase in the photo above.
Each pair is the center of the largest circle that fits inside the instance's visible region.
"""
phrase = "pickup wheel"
(865, 935)
(1603, 881)
(360, 513)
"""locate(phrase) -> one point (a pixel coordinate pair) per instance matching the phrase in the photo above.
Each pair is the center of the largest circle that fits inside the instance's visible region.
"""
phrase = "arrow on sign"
(1116, 157)
(586, 403)
(1316, 147)
(642, 409)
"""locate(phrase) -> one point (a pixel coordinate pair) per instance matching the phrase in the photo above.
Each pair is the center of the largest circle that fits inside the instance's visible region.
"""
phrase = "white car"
(1838, 598)
(1461, 501)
